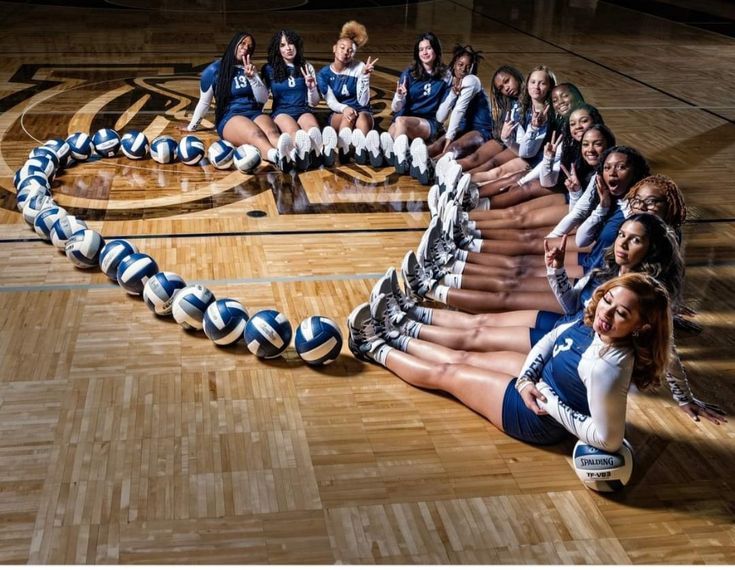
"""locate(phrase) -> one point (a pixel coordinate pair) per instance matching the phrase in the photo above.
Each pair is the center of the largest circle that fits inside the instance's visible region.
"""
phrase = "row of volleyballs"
(163, 149)
(267, 334)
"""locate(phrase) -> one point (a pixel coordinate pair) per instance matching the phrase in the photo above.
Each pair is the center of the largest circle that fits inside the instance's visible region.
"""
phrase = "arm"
(312, 93)
(676, 379)
(446, 106)
(607, 394)
(205, 99)
(541, 352)
(260, 91)
(530, 140)
(400, 96)
(532, 174)
(550, 167)
(332, 102)
(363, 85)
(577, 214)
(470, 87)
(589, 229)
(567, 295)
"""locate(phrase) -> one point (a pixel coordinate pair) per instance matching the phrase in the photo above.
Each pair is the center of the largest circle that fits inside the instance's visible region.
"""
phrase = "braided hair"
(500, 104)
(223, 86)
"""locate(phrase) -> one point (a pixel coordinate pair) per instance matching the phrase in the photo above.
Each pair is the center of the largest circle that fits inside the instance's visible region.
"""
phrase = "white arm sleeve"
(471, 86)
(607, 394)
(312, 95)
(529, 143)
(205, 99)
(446, 106)
(589, 229)
(577, 214)
(398, 102)
(550, 168)
(260, 91)
(532, 174)
(332, 102)
(363, 85)
(567, 295)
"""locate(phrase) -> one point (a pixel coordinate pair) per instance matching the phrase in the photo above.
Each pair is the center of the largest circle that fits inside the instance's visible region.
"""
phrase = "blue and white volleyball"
(45, 219)
(60, 147)
(80, 146)
(160, 290)
(246, 158)
(189, 306)
(64, 228)
(268, 333)
(38, 164)
(220, 154)
(134, 145)
(134, 271)
(318, 340)
(224, 321)
(35, 203)
(45, 152)
(83, 248)
(191, 150)
(31, 186)
(113, 252)
(603, 471)
(164, 149)
(106, 142)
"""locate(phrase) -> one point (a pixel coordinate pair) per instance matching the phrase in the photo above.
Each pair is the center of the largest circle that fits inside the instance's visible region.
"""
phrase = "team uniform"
(600, 228)
(585, 383)
(248, 94)
(349, 88)
(526, 140)
(468, 111)
(291, 96)
(422, 99)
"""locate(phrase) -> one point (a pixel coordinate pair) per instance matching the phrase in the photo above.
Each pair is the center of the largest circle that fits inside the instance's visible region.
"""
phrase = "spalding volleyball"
(112, 254)
(224, 321)
(134, 271)
(268, 333)
(80, 146)
(190, 304)
(220, 154)
(64, 228)
(134, 145)
(246, 158)
(318, 340)
(83, 248)
(35, 203)
(191, 150)
(106, 142)
(45, 219)
(163, 149)
(603, 471)
(160, 290)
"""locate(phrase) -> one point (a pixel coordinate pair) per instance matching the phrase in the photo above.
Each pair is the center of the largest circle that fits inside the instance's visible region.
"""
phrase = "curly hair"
(662, 259)
(500, 104)
(652, 342)
(525, 97)
(280, 69)
(438, 69)
(355, 32)
(676, 208)
(223, 86)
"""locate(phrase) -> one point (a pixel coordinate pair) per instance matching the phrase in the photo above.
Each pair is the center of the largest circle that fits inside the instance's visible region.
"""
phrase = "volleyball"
(189, 306)
(35, 203)
(83, 248)
(159, 291)
(318, 340)
(28, 188)
(191, 150)
(134, 271)
(106, 142)
(38, 164)
(45, 152)
(246, 158)
(224, 321)
(64, 228)
(268, 333)
(80, 146)
(220, 154)
(112, 254)
(60, 147)
(163, 149)
(134, 145)
(603, 471)
(45, 219)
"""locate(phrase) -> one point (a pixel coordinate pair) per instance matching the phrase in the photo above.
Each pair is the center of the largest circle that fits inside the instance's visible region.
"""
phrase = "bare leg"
(507, 362)
(364, 122)
(286, 124)
(515, 211)
(482, 283)
(307, 121)
(484, 153)
(522, 194)
(485, 302)
(497, 231)
(412, 127)
(460, 320)
(486, 339)
(270, 129)
(241, 130)
(467, 143)
(510, 167)
(506, 155)
(436, 149)
(480, 390)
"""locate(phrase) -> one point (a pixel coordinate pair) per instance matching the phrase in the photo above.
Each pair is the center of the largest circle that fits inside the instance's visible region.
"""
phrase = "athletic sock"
(438, 293)
(380, 355)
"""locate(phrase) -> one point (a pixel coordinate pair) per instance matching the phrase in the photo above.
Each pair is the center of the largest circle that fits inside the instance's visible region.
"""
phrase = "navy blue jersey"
(605, 239)
(243, 101)
(349, 88)
(290, 96)
(424, 95)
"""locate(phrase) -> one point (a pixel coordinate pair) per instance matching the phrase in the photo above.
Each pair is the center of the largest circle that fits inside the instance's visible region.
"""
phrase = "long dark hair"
(280, 69)
(223, 87)
(585, 171)
(438, 69)
(499, 103)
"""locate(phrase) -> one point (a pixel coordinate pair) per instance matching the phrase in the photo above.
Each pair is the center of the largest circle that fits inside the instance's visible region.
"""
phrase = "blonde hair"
(653, 341)
(355, 32)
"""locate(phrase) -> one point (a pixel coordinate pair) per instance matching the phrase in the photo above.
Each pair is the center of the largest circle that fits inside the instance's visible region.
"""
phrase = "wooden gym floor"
(124, 439)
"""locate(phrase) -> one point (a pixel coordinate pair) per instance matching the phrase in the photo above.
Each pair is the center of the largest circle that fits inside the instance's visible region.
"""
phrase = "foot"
(372, 142)
(386, 146)
(344, 142)
(419, 161)
(302, 146)
(359, 144)
(364, 338)
(414, 276)
(400, 148)
(285, 148)
(329, 146)
(432, 199)
(316, 146)
(451, 177)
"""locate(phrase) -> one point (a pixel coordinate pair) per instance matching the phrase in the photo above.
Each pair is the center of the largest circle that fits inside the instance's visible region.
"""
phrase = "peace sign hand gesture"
(308, 77)
(572, 182)
(538, 118)
(247, 66)
(509, 126)
(603, 191)
(554, 256)
(401, 88)
(369, 66)
(551, 146)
